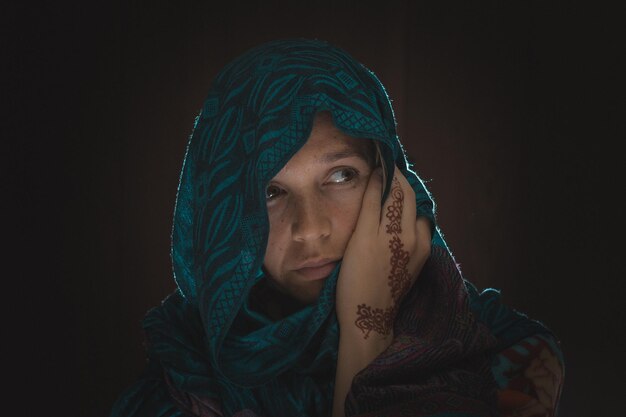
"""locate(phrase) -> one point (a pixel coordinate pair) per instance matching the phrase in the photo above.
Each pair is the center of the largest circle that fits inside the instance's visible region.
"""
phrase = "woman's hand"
(385, 254)
(383, 258)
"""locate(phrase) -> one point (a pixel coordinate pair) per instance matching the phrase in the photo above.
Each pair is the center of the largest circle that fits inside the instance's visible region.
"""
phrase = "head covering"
(214, 349)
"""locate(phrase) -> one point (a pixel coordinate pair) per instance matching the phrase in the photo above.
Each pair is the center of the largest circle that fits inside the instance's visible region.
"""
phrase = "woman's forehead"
(325, 137)
(327, 145)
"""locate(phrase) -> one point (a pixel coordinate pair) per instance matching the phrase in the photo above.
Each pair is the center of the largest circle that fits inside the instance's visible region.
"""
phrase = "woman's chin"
(309, 293)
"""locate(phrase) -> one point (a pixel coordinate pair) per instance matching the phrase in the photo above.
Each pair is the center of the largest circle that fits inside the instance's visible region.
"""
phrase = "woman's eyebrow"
(346, 153)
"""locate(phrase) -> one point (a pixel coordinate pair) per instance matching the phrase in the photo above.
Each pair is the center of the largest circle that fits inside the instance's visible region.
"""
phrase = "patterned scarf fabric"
(211, 352)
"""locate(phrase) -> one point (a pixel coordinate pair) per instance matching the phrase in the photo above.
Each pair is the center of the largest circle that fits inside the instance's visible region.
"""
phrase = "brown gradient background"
(510, 113)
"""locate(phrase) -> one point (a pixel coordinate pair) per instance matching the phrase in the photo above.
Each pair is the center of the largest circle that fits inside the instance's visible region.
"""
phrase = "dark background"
(510, 112)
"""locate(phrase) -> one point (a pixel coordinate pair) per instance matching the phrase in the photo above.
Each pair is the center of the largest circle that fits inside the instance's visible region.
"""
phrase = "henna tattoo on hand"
(399, 280)
(379, 320)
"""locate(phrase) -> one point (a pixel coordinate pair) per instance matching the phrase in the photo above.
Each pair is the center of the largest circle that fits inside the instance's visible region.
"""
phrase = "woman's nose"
(311, 220)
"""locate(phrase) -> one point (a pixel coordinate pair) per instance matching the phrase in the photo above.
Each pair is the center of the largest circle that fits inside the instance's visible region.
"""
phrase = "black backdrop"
(510, 112)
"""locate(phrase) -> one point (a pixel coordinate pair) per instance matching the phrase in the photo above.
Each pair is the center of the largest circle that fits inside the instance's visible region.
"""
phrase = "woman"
(312, 279)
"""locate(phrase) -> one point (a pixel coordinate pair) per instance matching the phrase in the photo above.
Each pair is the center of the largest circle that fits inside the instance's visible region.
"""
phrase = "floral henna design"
(376, 319)
(394, 211)
(399, 280)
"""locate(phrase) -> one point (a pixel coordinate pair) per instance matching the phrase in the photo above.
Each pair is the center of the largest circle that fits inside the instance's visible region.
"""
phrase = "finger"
(423, 235)
(399, 225)
(391, 220)
(409, 211)
(369, 217)
(398, 215)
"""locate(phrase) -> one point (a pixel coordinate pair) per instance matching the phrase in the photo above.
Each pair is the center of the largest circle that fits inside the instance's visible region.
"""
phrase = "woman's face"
(313, 205)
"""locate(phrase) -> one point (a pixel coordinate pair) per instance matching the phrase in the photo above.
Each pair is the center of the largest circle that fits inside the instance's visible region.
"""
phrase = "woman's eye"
(271, 192)
(343, 175)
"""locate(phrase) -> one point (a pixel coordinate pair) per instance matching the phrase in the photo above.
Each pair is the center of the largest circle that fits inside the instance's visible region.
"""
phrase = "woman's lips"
(314, 273)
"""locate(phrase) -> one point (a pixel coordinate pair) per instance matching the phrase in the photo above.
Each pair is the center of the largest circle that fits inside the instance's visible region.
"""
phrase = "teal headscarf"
(258, 114)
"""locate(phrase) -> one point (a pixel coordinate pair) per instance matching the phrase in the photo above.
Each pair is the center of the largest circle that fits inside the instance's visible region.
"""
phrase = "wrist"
(363, 350)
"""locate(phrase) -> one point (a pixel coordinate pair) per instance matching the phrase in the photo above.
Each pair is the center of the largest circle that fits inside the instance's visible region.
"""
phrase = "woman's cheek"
(275, 245)
(346, 210)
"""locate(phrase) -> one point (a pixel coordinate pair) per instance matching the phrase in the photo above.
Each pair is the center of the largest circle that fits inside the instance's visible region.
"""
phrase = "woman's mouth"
(317, 270)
